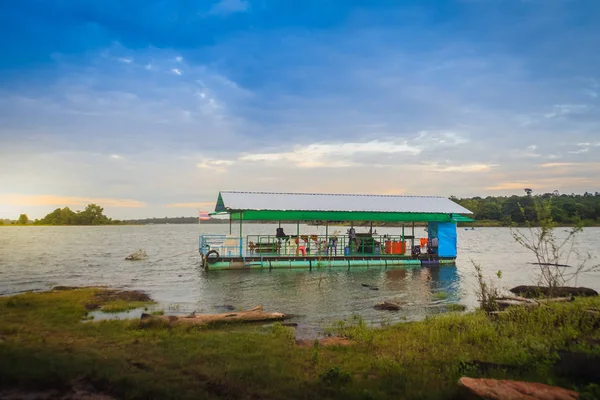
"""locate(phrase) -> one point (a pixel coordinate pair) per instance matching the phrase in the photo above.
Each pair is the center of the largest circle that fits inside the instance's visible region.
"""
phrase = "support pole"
(298, 238)
(230, 223)
(413, 235)
(241, 237)
(327, 236)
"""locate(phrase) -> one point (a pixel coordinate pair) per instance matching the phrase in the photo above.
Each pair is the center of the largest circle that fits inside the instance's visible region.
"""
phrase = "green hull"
(309, 264)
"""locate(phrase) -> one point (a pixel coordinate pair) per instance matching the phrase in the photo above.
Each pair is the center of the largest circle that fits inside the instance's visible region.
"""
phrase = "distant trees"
(566, 209)
(23, 219)
(92, 215)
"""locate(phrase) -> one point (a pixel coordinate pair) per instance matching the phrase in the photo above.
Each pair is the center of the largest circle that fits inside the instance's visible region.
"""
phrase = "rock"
(290, 324)
(369, 286)
(492, 389)
(138, 255)
(326, 341)
(386, 305)
(562, 291)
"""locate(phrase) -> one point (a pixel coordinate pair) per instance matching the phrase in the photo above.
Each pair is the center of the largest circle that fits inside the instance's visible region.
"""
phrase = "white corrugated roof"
(233, 200)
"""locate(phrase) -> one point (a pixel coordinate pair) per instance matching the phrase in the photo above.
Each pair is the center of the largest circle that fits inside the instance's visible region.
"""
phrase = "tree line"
(497, 210)
(93, 214)
(506, 210)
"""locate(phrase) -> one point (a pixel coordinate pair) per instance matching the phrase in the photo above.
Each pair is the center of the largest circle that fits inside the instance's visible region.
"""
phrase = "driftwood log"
(561, 291)
(253, 315)
(507, 301)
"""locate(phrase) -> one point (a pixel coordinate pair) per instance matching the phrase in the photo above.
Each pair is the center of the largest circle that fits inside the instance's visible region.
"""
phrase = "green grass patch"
(45, 344)
(119, 305)
(440, 295)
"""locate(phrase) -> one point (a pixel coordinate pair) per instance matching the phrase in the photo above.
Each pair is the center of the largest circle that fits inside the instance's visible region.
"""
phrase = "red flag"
(203, 215)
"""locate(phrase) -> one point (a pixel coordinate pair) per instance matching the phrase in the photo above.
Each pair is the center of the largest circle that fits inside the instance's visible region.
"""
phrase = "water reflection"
(317, 297)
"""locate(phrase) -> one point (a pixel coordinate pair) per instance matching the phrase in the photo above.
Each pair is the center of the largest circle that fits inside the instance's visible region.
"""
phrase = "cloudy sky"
(150, 107)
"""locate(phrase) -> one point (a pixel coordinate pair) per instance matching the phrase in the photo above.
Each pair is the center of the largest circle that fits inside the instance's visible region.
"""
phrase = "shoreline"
(48, 340)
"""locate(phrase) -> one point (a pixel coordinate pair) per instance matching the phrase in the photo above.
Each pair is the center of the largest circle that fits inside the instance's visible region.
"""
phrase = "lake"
(38, 258)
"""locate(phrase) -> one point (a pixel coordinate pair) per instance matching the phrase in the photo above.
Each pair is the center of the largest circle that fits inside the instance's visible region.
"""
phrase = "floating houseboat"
(332, 249)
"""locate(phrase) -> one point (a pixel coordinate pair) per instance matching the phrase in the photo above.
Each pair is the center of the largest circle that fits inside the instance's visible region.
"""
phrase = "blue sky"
(151, 107)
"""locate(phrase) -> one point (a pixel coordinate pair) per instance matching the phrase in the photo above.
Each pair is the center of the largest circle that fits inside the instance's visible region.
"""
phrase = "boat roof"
(336, 207)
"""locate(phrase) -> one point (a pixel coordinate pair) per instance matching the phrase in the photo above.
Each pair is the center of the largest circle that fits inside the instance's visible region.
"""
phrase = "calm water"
(38, 258)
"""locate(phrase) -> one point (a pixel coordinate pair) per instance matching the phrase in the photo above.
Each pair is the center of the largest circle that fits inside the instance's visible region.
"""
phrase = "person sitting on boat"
(432, 247)
(416, 251)
(352, 243)
(280, 234)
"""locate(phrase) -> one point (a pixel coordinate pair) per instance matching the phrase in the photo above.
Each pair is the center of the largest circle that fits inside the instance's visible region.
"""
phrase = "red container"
(395, 247)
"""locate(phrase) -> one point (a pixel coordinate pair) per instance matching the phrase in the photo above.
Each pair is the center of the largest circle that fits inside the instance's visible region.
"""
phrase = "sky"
(149, 108)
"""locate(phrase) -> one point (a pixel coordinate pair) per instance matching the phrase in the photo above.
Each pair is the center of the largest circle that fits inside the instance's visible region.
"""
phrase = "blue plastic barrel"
(346, 251)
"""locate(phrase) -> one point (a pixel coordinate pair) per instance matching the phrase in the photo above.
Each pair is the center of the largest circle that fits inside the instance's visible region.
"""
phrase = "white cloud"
(179, 59)
(224, 7)
(125, 60)
(583, 150)
(441, 138)
(464, 168)
(215, 165)
(116, 157)
(333, 155)
(565, 109)
(176, 71)
(528, 152)
(556, 165)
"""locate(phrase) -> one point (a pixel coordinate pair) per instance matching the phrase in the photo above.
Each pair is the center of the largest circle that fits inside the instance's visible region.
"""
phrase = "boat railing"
(327, 245)
(225, 245)
(306, 245)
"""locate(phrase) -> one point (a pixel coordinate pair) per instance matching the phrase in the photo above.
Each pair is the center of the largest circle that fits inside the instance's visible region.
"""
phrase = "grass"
(122, 305)
(44, 344)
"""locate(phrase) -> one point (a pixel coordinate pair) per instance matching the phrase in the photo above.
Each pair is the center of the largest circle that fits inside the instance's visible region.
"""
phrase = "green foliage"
(553, 254)
(335, 376)
(565, 209)
(23, 219)
(92, 215)
(453, 307)
(44, 344)
(441, 295)
(487, 292)
(119, 305)
(285, 332)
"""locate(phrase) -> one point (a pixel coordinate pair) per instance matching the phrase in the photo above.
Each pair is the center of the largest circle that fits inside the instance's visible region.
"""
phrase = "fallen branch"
(551, 264)
(516, 298)
(255, 314)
